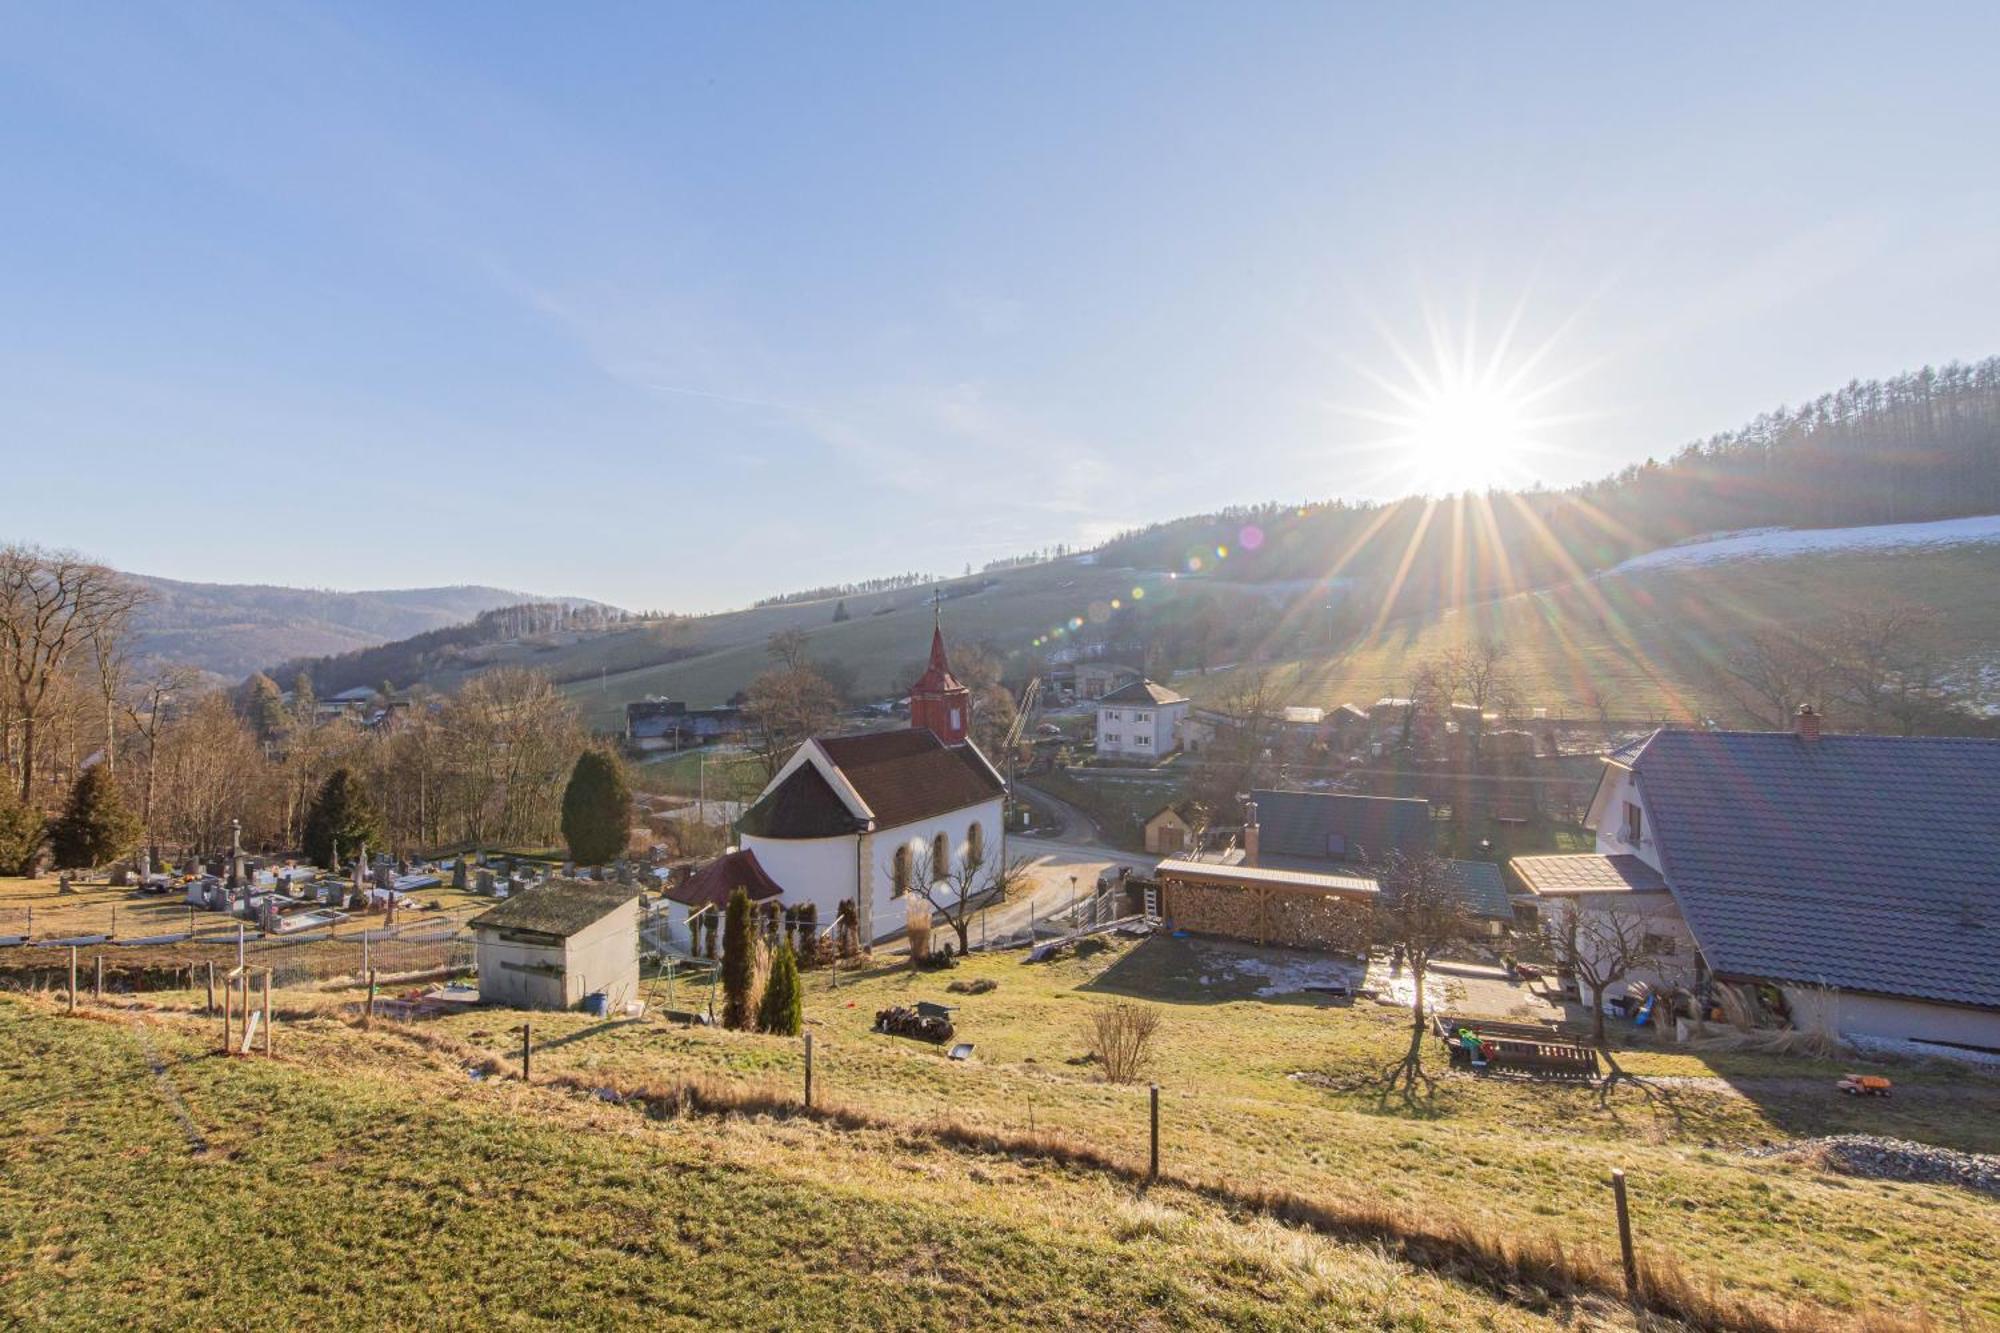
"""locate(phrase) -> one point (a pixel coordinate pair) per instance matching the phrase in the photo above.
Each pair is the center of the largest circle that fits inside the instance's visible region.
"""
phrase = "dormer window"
(1635, 823)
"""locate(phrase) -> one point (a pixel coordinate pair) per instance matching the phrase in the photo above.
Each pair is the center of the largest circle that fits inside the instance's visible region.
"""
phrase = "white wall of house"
(1127, 731)
(1886, 1018)
(822, 870)
(1612, 815)
(1653, 914)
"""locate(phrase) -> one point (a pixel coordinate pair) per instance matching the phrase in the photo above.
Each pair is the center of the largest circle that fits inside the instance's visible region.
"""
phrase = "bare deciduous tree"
(53, 604)
(784, 707)
(1419, 912)
(1603, 942)
(956, 887)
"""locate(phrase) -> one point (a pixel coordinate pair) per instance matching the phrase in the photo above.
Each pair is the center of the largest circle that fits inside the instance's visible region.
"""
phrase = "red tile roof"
(904, 776)
(712, 885)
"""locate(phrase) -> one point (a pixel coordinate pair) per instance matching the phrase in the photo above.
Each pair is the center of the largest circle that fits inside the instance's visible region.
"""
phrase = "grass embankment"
(1274, 1093)
(363, 1180)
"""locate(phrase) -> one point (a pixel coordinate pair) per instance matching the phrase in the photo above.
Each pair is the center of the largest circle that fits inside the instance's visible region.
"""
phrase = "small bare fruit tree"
(958, 887)
(1121, 1039)
(1419, 913)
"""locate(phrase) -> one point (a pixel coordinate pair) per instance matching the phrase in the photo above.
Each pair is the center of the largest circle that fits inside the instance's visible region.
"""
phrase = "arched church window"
(899, 870)
(940, 856)
(975, 844)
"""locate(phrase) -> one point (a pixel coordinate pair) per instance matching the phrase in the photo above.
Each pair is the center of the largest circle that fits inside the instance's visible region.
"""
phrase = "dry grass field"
(408, 1174)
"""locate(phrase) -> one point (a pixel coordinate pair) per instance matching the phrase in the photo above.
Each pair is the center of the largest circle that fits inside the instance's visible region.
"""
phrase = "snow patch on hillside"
(1778, 543)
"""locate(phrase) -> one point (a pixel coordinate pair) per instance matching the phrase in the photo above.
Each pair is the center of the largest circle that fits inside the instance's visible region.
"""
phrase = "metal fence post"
(1153, 1167)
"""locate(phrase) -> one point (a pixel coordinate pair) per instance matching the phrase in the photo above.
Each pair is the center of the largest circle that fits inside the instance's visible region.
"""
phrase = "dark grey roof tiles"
(1869, 863)
(1348, 828)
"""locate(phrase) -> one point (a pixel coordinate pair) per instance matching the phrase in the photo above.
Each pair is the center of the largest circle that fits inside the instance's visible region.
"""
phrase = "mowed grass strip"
(360, 1181)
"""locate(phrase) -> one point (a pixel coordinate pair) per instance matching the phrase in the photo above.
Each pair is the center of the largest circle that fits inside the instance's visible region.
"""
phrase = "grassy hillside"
(1644, 643)
(394, 1187)
(363, 1180)
(1647, 643)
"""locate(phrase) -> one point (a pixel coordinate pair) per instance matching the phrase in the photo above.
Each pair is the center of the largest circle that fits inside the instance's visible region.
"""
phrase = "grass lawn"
(362, 1180)
(397, 1189)
(1274, 1090)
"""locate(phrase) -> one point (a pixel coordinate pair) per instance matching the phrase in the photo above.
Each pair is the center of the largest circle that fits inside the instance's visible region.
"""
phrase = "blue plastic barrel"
(597, 1004)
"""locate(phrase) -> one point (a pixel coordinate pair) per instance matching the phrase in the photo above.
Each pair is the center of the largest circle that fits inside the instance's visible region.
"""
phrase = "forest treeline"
(1919, 446)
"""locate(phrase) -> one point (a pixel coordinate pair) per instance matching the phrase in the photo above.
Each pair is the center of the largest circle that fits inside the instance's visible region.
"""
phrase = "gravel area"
(1892, 1159)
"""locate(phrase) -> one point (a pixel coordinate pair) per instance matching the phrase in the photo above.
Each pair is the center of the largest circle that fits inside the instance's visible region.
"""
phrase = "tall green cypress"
(782, 1012)
(738, 962)
(94, 826)
(341, 817)
(596, 809)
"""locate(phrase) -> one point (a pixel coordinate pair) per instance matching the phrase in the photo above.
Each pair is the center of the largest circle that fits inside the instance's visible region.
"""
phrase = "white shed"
(552, 946)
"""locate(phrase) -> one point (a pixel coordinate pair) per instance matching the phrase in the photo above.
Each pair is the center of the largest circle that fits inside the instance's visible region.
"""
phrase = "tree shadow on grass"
(1189, 971)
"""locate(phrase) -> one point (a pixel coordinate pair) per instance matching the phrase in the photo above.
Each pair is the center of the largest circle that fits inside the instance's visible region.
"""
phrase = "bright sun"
(1464, 418)
(1465, 437)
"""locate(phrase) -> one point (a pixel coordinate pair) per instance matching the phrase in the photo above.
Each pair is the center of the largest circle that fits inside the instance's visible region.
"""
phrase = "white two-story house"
(1140, 721)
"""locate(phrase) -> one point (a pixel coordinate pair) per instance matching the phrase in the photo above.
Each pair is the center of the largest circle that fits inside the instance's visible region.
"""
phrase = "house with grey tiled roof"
(1860, 875)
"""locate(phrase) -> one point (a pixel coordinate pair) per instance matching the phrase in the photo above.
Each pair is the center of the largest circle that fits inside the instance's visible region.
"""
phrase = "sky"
(675, 306)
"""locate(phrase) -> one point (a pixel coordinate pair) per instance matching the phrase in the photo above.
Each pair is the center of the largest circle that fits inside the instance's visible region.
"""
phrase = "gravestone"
(458, 874)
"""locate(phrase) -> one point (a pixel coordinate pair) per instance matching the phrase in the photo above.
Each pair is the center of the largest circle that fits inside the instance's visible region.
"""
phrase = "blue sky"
(675, 306)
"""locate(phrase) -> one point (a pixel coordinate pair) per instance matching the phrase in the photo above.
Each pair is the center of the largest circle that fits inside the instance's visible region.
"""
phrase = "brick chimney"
(1807, 725)
(1251, 833)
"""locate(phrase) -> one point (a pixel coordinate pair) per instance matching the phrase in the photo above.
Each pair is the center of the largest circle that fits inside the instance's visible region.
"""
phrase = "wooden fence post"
(270, 1020)
(527, 1049)
(366, 965)
(228, 1002)
(1153, 1166)
(809, 1071)
(97, 989)
(368, 1018)
(72, 978)
(1625, 1235)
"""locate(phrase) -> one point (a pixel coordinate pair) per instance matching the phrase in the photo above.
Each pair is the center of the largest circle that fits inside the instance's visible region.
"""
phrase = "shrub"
(782, 1011)
(1120, 1037)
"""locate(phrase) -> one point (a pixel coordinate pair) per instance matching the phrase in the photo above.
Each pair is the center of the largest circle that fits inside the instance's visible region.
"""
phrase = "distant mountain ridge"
(233, 629)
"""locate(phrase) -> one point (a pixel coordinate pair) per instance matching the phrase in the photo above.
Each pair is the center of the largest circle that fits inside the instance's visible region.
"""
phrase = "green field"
(397, 1189)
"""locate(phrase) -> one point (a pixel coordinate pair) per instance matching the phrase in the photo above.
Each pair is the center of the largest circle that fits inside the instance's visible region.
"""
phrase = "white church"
(862, 816)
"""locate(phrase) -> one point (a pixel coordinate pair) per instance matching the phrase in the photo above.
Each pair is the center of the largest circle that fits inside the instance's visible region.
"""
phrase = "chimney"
(1807, 727)
(1251, 833)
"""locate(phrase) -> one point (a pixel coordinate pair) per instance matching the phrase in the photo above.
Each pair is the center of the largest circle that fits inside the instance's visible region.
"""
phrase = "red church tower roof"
(938, 702)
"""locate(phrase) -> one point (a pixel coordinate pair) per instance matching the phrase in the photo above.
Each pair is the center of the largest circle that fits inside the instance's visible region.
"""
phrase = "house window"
(1142, 717)
(1635, 823)
(1142, 740)
(1111, 738)
(954, 719)
(1112, 715)
(1660, 946)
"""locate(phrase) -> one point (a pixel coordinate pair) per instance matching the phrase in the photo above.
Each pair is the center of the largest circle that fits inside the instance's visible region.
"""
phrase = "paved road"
(1062, 865)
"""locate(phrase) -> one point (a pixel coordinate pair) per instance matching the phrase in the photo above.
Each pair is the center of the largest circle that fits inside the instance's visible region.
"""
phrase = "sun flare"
(1466, 437)
(1466, 418)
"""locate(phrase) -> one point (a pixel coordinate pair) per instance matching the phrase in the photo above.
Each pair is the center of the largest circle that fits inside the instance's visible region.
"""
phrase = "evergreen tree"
(840, 612)
(738, 962)
(341, 819)
(94, 827)
(263, 706)
(596, 809)
(782, 1012)
(21, 831)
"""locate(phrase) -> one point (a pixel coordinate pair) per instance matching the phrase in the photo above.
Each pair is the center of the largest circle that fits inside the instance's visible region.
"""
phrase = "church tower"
(937, 700)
